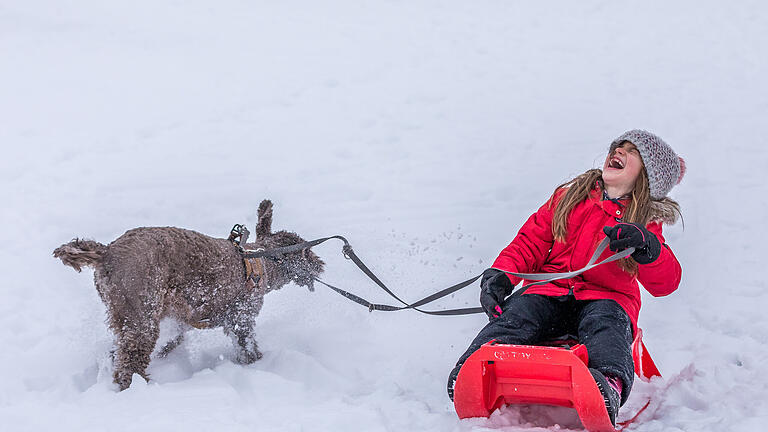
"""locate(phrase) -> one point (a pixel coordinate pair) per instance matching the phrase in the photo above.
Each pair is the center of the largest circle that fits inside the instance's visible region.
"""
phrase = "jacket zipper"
(578, 237)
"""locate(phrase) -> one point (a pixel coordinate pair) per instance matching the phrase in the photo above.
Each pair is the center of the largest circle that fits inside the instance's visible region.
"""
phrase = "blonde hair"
(641, 208)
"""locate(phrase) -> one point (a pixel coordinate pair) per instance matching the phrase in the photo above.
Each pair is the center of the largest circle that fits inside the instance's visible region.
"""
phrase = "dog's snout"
(305, 279)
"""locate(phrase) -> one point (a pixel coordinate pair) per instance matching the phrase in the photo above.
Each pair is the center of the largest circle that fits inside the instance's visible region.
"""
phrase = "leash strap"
(544, 278)
(388, 308)
(349, 253)
(278, 253)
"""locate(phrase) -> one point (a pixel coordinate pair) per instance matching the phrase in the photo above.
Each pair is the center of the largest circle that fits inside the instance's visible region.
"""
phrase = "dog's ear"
(264, 226)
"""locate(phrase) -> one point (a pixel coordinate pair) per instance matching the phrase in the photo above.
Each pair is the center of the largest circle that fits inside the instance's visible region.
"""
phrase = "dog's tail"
(80, 253)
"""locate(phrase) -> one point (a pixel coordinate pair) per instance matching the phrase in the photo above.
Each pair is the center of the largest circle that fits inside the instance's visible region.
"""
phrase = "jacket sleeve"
(531, 246)
(661, 277)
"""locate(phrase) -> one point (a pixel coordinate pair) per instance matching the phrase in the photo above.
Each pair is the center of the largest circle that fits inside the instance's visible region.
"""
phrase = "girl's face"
(622, 167)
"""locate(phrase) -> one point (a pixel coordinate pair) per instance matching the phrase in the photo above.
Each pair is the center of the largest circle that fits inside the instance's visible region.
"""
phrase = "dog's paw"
(248, 357)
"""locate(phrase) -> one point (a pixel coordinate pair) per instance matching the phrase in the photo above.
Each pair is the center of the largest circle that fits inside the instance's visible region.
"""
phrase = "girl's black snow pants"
(601, 325)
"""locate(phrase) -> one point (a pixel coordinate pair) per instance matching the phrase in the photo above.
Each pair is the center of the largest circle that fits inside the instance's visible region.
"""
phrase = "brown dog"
(148, 274)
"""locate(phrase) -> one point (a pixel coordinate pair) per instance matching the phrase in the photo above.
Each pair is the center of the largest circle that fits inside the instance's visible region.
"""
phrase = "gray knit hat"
(664, 167)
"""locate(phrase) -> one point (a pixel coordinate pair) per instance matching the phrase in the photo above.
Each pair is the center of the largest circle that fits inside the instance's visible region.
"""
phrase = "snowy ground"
(424, 131)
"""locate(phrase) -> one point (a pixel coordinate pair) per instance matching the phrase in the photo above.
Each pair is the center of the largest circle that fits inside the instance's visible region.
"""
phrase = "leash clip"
(239, 235)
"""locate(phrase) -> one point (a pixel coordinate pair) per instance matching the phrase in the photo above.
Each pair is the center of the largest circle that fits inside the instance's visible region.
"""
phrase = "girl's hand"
(494, 287)
(626, 235)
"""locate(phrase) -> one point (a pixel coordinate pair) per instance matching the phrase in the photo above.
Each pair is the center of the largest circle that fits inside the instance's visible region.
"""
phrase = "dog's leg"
(171, 345)
(249, 350)
(135, 343)
(239, 325)
(181, 328)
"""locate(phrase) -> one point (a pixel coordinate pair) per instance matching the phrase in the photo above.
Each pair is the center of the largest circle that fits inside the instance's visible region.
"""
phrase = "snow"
(425, 132)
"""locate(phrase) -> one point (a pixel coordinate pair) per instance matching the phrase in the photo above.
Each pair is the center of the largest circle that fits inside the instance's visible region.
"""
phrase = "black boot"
(452, 380)
(611, 397)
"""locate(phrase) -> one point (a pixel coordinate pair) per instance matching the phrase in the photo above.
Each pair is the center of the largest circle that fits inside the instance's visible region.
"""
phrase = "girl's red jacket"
(534, 250)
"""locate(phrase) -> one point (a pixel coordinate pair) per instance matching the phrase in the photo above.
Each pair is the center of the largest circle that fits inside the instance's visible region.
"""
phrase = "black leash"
(349, 253)
(541, 278)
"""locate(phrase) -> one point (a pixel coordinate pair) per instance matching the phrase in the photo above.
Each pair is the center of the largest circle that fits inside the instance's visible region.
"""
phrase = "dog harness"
(255, 272)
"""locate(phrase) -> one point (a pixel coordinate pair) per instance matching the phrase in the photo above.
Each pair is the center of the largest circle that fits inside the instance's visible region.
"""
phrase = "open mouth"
(616, 163)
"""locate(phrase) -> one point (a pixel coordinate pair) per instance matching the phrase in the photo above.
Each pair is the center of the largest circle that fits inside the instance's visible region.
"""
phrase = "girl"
(626, 201)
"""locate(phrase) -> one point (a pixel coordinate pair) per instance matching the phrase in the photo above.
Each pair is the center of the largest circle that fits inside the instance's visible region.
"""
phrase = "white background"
(424, 131)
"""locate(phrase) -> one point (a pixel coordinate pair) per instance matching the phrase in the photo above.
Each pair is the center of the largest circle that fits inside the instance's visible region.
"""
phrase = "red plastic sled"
(498, 375)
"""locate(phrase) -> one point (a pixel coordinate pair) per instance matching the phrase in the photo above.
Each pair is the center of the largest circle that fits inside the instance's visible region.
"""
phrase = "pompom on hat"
(664, 167)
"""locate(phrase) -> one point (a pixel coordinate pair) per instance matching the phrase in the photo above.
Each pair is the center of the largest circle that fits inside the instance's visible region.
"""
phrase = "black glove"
(626, 235)
(494, 287)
